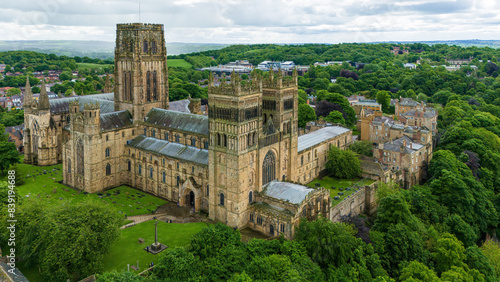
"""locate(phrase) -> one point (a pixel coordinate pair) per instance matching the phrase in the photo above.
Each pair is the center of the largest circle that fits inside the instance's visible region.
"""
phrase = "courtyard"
(339, 188)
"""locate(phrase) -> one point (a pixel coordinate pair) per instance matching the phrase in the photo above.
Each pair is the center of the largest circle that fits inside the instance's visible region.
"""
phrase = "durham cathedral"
(243, 164)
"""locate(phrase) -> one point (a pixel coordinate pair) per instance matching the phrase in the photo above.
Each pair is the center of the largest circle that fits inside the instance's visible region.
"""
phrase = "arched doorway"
(269, 168)
(271, 230)
(191, 199)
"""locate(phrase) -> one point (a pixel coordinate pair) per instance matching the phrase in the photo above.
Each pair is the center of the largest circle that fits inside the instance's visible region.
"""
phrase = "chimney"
(307, 101)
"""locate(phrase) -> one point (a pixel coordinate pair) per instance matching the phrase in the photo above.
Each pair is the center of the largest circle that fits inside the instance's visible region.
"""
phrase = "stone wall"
(361, 201)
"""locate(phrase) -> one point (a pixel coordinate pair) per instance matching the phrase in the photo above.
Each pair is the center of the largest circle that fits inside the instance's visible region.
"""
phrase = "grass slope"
(178, 63)
(82, 66)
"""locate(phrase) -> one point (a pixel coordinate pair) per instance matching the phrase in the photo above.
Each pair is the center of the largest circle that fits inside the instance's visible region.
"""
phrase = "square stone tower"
(141, 73)
(234, 125)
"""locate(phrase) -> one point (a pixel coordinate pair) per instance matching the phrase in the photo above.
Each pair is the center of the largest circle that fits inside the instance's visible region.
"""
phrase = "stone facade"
(237, 164)
(405, 156)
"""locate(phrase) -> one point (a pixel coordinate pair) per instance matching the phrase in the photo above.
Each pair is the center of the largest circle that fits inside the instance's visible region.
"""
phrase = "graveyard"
(43, 183)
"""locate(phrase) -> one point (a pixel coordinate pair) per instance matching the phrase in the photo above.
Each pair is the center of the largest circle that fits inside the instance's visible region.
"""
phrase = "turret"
(28, 95)
(43, 101)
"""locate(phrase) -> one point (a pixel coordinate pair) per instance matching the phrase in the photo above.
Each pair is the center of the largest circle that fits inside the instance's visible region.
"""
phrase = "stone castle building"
(244, 163)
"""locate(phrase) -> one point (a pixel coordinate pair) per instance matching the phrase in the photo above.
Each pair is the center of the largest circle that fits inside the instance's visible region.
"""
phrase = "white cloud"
(255, 21)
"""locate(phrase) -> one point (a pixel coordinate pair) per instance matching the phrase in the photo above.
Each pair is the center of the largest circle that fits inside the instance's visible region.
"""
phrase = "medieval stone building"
(243, 163)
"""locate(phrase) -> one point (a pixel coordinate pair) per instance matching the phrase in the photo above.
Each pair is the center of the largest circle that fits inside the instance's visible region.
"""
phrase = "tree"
(384, 98)
(393, 209)
(491, 250)
(335, 117)
(449, 252)
(8, 151)
(323, 109)
(86, 230)
(386, 189)
(35, 89)
(306, 114)
(13, 92)
(115, 276)
(343, 164)
(279, 267)
(417, 271)
(65, 75)
(178, 264)
(475, 259)
(210, 240)
(362, 147)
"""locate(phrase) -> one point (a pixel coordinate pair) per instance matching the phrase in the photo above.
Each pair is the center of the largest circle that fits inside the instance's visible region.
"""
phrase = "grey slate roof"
(178, 120)
(116, 120)
(293, 193)
(408, 102)
(314, 138)
(170, 149)
(372, 103)
(106, 102)
(429, 113)
(180, 106)
(396, 145)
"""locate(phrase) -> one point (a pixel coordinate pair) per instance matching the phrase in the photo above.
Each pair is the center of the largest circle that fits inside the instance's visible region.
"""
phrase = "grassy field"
(178, 63)
(335, 186)
(92, 66)
(42, 183)
(127, 250)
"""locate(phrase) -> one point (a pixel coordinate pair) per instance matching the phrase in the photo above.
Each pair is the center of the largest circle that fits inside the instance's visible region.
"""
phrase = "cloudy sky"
(255, 21)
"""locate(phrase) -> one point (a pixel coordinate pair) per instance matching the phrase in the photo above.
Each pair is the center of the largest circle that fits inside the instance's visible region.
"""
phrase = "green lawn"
(179, 63)
(127, 250)
(329, 182)
(93, 66)
(126, 200)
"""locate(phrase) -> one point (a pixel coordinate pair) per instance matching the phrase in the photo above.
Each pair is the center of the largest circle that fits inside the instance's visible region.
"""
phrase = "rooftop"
(372, 103)
(170, 149)
(178, 120)
(290, 192)
(116, 120)
(428, 113)
(106, 102)
(180, 106)
(396, 145)
(408, 102)
(316, 137)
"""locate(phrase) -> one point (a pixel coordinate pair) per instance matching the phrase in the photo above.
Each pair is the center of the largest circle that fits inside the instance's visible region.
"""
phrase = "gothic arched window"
(129, 165)
(153, 133)
(145, 46)
(108, 152)
(148, 86)
(193, 142)
(166, 136)
(108, 169)
(145, 131)
(154, 86)
(221, 199)
(140, 169)
(153, 47)
(69, 166)
(206, 144)
(269, 168)
(164, 177)
(151, 172)
(79, 157)
(250, 197)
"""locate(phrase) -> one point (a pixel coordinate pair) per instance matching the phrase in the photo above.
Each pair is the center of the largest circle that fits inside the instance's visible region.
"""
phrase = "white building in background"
(267, 65)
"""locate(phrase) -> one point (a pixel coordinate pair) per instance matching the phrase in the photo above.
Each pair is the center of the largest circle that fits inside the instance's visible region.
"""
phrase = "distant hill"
(461, 43)
(95, 49)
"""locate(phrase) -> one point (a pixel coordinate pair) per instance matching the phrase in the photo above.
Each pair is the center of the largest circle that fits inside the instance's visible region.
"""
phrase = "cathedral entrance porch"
(189, 196)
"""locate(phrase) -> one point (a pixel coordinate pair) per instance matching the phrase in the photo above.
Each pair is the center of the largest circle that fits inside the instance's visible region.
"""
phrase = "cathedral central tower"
(141, 73)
